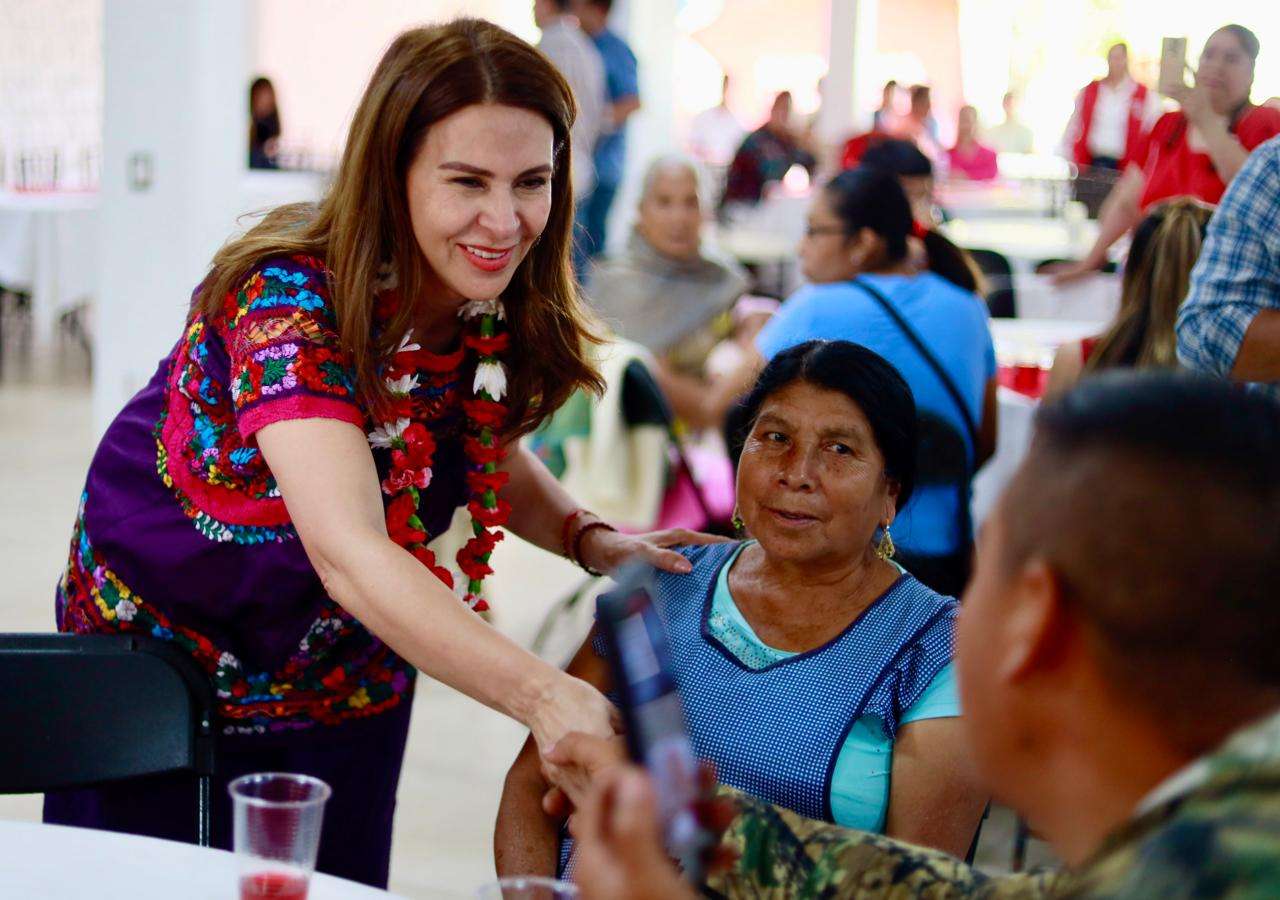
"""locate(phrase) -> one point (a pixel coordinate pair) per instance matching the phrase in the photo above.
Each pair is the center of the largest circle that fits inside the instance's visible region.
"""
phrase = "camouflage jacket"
(1212, 830)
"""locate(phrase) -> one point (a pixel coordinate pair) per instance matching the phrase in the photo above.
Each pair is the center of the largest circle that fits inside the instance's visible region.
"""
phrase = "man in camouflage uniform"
(1118, 666)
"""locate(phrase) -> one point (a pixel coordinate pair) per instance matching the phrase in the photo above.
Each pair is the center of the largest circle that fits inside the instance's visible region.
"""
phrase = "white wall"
(174, 91)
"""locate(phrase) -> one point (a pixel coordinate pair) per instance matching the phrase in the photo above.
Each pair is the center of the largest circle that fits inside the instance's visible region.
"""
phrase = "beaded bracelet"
(577, 544)
(565, 530)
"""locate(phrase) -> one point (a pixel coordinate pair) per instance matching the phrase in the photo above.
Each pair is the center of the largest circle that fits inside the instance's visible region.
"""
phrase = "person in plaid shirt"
(1230, 322)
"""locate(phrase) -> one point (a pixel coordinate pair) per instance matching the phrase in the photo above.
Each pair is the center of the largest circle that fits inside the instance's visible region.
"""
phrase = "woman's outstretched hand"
(607, 551)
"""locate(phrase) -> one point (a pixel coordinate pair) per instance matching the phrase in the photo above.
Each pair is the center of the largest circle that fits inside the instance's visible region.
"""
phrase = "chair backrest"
(80, 710)
(998, 273)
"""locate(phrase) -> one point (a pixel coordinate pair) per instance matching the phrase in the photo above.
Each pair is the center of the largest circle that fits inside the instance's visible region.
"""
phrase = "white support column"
(839, 88)
(175, 103)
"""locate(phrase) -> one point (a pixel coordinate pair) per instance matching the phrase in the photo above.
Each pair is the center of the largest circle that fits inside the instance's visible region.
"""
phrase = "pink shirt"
(978, 164)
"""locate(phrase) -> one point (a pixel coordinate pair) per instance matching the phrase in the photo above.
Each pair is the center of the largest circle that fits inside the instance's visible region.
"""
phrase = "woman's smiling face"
(479, 192)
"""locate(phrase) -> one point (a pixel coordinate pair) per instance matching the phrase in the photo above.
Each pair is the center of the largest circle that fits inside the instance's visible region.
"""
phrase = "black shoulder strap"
(932, 360)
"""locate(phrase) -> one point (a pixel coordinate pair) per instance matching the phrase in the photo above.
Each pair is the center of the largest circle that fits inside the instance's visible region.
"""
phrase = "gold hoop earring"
(885, 549)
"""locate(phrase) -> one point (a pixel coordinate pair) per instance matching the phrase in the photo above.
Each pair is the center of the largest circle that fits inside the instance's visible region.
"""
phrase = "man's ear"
(1041, 626)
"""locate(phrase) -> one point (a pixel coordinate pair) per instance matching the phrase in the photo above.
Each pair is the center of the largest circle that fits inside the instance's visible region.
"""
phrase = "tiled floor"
(458, 751)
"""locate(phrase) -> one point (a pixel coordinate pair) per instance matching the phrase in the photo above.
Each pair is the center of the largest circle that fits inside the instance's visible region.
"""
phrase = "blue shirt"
(861, 779)
(953, 324)
(621, 81)
(1238, 273)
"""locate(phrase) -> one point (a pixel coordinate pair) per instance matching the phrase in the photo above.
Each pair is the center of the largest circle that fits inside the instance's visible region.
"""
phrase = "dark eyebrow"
(485, 173)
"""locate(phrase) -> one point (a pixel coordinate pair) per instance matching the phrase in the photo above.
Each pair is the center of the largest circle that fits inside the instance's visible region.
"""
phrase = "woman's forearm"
(524, 838)
(1119, 213)
(1225, 151)
(539, 503)
(400, 601)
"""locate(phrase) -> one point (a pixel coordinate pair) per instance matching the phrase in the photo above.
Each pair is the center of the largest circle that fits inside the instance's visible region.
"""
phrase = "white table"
(1024, 241)
(1094, 298)
(49, 248)
(53, 862)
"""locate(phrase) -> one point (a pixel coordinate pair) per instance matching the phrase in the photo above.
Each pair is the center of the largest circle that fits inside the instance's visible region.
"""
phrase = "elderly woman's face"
(671, 215)
(811, 481)
(1225, 71)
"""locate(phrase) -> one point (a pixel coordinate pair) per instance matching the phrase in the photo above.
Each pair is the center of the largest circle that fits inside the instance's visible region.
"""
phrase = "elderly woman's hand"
(607, 551)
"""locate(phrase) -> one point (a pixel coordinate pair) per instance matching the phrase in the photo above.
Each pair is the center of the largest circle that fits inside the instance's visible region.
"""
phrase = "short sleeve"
(1260, 126)
(285, 358)
(790, 326)
(940, 700)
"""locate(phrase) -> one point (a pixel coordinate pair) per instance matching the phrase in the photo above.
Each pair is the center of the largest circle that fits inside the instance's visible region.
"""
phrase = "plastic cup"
(277, 818)
(528, 888)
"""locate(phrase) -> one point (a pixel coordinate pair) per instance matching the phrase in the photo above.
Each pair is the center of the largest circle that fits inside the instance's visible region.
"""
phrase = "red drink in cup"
(277, 818)
(273, 886)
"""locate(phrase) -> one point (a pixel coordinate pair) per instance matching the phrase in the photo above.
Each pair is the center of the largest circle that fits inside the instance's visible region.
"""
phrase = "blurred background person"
(1229, 325)
(667, 290)
(914, 172)
(970, 159)
(864, 286)
(622, 90)
(578, 60)
(1192, 152)
(920, 127)
(1011, 135)
(1112, 114)
(766, 155)
(1166, 245)
(715, 133)
(885, 118)
(264, 125)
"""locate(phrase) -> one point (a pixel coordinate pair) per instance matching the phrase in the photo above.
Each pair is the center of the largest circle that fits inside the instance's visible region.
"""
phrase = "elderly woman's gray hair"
(670, 163)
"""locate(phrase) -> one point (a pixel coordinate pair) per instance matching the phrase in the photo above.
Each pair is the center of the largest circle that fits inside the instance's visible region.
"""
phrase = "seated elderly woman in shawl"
(667, 291)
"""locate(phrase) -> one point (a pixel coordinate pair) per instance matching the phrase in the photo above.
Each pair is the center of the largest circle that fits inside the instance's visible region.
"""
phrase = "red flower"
(431, 362)
(481, 455)
(476, 603)
(490, 518)
(419, 447)
(428, 559)
(488, 346)
(485, 413)
(402, 479)
(401, 510)
(479, 482)
(336, 676)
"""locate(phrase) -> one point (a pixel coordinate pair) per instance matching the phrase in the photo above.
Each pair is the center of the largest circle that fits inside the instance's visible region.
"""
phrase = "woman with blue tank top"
(815, 672)
(862, 255)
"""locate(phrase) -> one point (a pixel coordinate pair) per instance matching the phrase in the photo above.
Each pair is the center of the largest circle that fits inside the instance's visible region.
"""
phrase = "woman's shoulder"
(284, 284)
(915, 592)
(1258, 125)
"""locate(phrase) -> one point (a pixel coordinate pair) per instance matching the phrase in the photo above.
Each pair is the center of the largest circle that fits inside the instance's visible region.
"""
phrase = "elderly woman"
(816, 674)
(667, 290)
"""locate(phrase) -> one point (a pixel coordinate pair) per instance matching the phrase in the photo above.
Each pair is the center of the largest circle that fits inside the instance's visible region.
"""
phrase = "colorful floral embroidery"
(339, 672)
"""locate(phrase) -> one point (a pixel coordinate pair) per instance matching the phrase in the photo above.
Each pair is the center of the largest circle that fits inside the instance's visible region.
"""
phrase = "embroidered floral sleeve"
(285, 360)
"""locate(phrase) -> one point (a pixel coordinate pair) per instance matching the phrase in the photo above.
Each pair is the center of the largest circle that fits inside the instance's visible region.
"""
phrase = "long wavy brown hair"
(363, 222)
(1157, 275)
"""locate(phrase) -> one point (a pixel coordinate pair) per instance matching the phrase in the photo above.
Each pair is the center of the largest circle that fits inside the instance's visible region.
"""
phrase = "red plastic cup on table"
(276, 833)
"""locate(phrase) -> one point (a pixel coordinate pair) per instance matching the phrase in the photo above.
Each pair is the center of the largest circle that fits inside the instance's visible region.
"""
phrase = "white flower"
(483, 308)
(402, 385)
(126, 610)
(491, 377)
(406, 343)
(383, 435)
(228, 661)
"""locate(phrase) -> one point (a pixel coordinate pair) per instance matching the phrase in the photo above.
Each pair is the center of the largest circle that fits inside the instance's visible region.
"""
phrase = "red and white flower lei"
(413, 449)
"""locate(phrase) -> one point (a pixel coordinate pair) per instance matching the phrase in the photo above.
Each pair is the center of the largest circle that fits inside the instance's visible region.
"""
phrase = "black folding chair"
(1001, 298)
(62, 732)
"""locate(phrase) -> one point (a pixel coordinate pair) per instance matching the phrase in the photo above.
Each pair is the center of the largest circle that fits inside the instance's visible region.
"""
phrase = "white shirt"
(1011, 136)
(579, 62)
(1109, 135)
(715, 136)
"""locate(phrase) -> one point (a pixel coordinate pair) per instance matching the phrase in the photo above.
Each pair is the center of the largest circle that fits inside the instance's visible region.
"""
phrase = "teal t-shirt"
(860, 782)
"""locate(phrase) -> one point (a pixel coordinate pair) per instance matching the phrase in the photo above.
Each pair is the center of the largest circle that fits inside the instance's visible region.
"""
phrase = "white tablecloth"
(52, 862)
(1025, 242)
(1095, 298)
(49, 248)
(1016, 413)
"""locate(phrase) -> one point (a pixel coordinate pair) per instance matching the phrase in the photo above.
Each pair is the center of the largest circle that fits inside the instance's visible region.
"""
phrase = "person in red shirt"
(969, 158)
(1194, 151)
(1111, 116)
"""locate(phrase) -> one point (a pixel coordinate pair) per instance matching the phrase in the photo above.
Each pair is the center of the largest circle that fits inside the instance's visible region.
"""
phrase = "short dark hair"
(1248, 40)
(902, 158)
(1155, 496)
(867, 379)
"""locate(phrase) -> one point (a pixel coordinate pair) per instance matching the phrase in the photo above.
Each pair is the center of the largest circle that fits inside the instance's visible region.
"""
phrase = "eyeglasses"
(815, 230)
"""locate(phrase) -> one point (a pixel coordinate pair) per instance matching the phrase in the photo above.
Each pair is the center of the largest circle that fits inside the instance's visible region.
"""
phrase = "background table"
(53, 862)
(1025, 242)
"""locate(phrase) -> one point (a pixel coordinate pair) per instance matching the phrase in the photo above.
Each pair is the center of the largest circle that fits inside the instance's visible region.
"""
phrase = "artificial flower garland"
(413, 448)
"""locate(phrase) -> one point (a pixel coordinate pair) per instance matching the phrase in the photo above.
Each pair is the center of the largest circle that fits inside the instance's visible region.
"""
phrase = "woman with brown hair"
(351, 373)
(1157, 274)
